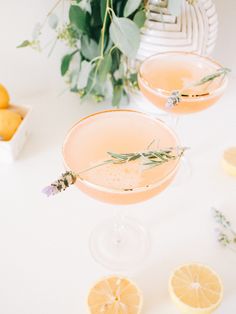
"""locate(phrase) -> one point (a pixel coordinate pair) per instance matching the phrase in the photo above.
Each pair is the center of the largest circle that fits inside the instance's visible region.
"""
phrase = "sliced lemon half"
(195, 289)
(115, 295)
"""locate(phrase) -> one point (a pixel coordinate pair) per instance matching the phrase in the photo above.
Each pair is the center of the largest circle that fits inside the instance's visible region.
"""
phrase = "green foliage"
(89, 48)
(65, 63)
(101, 35)
(140, 18)
(78, 18)
(105, 34)
(131, 6)
(125, 35)
(117, 95)
(104, 68)
(25, 43)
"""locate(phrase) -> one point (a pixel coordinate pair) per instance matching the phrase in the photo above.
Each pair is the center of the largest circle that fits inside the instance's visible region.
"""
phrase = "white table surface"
(45, 263)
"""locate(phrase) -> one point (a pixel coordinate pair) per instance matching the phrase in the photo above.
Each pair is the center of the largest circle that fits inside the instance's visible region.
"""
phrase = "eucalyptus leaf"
(117, 95)
(174, 7)
(85, 70)
(119, 8)
(104, 68)
(85, 5)
(93, 85)
(140, 18)
(131, 6)
(116, 60)
(89, 48)
(65, 63)
(108, 44)
(120, 72)
(125, 35)
(78, 18)
(25, 43)
(53, 21)
(74, 77)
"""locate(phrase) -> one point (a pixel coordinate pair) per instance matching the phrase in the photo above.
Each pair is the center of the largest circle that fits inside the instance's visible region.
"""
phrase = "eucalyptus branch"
(100, 58)
(89, 29)
(112, 48)
(104, 28)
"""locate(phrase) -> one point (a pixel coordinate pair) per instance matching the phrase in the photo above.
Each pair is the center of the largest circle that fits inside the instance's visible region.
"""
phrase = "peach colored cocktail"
(164, 73)
(118, 131)
(120, 157)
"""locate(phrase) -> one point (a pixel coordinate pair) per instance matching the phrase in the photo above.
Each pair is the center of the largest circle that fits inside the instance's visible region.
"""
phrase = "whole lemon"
(4, 97)
(9, 122)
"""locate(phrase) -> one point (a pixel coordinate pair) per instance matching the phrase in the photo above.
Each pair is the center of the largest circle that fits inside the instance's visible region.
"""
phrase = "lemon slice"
(229, 161)
(195, 289)
(114, 295)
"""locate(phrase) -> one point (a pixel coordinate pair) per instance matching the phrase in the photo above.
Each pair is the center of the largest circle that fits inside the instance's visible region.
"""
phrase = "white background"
(45, 263)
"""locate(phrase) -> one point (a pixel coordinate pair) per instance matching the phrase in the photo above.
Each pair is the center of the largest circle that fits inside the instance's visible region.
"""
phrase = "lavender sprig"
(67, 179)
(226, 236)
(176, 96)
(173, 99)
(149, 159)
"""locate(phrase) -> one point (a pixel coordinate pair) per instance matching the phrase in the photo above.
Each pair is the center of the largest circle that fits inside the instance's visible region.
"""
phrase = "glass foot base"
(119, 245)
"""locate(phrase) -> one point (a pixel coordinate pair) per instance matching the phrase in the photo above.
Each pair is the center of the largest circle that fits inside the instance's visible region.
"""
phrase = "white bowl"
(9, 150)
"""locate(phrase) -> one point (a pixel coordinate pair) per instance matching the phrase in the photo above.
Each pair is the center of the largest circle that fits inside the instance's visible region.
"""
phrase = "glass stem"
(175, 121)
(119, 227)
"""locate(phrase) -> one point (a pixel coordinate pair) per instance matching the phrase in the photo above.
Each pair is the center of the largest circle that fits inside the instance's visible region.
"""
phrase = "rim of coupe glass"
(121, 191)
(167, 93)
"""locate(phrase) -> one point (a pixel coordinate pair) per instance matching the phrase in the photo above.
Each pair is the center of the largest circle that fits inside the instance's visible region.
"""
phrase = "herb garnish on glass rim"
(176, 96)
(149, 159)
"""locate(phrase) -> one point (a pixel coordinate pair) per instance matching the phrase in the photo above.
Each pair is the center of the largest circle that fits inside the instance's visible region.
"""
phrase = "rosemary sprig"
(176, 96)
(149, 159)
(67, 179)
(226, 235)
(220, 72)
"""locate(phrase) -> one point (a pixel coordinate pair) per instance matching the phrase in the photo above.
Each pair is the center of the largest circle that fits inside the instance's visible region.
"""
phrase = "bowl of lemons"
(14, 127)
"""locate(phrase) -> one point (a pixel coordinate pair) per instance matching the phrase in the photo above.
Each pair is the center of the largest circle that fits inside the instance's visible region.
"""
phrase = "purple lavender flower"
(173, 99)
(67, 179)
(225, 234)
(50, 190)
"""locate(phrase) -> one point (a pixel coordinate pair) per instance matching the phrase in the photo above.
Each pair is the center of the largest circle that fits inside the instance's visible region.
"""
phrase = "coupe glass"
(163, 73)
(119, 243)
